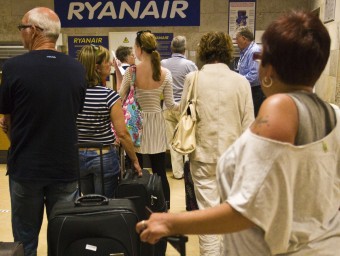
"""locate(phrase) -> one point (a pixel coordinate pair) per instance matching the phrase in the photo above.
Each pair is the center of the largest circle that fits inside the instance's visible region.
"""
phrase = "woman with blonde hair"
(101, 107)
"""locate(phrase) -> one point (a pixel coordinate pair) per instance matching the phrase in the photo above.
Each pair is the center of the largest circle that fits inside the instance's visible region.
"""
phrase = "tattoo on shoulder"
(260, 121)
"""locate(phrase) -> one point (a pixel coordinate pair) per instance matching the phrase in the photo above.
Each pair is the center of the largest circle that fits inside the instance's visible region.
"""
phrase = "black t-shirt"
(43, 91)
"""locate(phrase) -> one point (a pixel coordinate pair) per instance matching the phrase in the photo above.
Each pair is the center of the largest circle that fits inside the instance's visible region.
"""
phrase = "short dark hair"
(215, 46)
(123, 52)
(297, 45)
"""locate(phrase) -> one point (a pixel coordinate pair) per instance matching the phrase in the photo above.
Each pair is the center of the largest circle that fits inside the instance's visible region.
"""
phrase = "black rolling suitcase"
(147, 194)
(93, 225)
(148, 188)
(11, 249)
(144, 191)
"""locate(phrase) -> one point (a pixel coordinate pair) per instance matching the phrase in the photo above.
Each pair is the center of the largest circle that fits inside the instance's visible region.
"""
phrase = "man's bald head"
(46, 19)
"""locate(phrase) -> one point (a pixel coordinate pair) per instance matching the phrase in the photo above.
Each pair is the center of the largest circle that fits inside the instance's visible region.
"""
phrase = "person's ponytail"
(156, 65)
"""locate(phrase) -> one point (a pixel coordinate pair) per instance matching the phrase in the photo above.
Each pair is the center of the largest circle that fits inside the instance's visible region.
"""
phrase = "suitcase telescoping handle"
(91, 200)
(178, 242)
(91, 145)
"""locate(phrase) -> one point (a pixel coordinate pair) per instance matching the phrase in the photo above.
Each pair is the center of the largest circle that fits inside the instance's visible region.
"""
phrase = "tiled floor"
(177, 205)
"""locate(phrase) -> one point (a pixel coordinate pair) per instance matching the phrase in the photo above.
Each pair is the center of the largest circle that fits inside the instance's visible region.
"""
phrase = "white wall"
(328, 86)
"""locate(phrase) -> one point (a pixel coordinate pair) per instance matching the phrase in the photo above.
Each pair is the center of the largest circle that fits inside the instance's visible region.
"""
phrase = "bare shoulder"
(165, 71)
(277, 119)
(165, 74)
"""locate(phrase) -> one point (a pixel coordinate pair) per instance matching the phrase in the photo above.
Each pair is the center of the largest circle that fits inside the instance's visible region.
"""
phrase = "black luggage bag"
(148, 188)
(11, 249)
(93, 224)
(147, 194)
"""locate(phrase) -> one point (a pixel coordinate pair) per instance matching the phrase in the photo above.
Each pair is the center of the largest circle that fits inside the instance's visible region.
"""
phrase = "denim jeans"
(27, 204)
(90, 172)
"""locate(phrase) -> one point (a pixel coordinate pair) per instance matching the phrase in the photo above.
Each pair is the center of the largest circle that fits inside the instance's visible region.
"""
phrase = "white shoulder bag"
(184, 139)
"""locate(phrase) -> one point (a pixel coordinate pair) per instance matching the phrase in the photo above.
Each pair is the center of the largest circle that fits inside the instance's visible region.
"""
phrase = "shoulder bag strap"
(192, 87)
(194, 98)
(133, 76)
(190, 97)
(132, 82)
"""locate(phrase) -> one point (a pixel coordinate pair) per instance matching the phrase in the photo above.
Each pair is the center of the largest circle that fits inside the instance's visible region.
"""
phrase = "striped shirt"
(94, 122)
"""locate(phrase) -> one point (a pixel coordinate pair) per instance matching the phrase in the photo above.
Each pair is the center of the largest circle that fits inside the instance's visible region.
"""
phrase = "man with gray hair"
(249, 67)
(179, 67)
(41, 94)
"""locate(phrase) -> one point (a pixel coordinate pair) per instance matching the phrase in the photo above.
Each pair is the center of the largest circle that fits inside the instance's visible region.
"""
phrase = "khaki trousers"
(204, 178)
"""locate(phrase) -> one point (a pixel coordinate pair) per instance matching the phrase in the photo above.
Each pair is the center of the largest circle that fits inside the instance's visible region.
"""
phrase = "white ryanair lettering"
(80, 11)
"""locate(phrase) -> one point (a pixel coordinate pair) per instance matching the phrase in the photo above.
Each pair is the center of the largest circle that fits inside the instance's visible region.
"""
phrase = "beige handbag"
(184, 139)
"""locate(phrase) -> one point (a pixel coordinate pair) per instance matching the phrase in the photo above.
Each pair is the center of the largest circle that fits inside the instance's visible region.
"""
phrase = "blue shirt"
(179, 67)
(247, 66)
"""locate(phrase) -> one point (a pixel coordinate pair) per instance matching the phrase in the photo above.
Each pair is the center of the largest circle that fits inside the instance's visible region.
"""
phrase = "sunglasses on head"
(139, 41)
(143, 31)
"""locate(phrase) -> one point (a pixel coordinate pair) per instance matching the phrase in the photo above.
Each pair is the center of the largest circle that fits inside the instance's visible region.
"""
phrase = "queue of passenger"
(273, 200)
(252, 183)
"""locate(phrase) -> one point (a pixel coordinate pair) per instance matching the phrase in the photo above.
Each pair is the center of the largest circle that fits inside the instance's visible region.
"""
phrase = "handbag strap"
(132, 82)
(192, 90)
(133, 78)
(192, 87)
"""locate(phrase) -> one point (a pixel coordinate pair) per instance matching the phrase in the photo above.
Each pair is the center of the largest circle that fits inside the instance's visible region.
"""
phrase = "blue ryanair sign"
(128, 13)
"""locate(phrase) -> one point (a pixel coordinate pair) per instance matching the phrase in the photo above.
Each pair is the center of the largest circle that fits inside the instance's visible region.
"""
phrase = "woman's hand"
(138, 169)
(152, 230)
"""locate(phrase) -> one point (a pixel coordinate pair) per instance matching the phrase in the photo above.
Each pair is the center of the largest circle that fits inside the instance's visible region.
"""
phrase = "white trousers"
(177, 162)
(204, 178)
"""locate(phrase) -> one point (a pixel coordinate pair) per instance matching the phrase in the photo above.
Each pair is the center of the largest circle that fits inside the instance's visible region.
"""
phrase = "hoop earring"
(267, 82)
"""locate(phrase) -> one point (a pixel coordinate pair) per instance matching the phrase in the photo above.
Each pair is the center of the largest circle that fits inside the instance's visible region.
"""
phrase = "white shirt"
(292, 194)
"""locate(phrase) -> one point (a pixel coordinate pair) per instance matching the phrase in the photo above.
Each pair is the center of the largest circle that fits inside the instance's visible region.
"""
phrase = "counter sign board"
(128, 13)
(75, 43)
(164, 44)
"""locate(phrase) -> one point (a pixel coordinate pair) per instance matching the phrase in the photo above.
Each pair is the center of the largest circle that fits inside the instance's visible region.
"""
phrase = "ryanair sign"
(128, 13)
